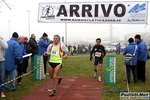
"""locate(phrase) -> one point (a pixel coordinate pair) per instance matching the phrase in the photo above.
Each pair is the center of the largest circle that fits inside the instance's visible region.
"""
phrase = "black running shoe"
(52, 93)
(59, 80)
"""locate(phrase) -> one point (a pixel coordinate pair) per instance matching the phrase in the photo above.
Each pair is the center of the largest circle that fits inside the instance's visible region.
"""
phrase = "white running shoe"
(3, 95)
(99, 79)
(47, 74)
(95, 74)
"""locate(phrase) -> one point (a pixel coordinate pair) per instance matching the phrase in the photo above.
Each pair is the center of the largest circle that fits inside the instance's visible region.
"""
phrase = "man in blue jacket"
(133, 50)
(142, 58)
(20, 65)
(42, 47)
(12, 57)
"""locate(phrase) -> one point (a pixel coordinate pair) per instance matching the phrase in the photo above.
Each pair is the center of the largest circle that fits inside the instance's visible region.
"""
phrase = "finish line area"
(71, 88)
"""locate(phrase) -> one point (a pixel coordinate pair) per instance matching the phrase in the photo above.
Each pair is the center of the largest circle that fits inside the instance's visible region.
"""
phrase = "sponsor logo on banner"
(93, 12)
(134, 96)
(137, 8)
(136, 13)
(38, 67)
(110, 69)
(47, 12)
(136, 20)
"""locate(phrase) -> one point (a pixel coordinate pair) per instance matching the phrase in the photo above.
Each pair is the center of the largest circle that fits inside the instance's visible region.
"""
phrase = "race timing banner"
(119, 12)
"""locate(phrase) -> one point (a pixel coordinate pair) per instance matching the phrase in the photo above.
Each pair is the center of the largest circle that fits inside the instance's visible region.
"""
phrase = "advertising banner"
(38, 72)
(111, 70)
(113, 12)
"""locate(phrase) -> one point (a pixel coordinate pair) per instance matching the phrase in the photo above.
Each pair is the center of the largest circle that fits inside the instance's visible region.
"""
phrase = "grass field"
(81, 66)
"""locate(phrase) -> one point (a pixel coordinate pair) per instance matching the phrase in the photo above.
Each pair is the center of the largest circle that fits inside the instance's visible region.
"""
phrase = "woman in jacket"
(133, 50)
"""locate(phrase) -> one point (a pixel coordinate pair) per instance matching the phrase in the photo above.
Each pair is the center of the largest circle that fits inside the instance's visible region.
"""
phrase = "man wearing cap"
(142, 58)
(44, 42)
(133, 50)
(13, 56)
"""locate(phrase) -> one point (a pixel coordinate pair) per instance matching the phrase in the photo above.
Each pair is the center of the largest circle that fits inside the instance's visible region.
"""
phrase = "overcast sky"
(18, 17)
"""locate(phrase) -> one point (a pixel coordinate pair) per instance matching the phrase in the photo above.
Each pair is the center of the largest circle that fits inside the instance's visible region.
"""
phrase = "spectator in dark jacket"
(142, 58)
(89, 47)
(13, 56)
(33, 44)
(28, 50)
(74, 49)
(44, 42)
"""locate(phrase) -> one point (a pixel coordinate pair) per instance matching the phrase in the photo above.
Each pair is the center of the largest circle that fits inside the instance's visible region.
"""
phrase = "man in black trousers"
(142, 58)
(28, 50)
(20, 64)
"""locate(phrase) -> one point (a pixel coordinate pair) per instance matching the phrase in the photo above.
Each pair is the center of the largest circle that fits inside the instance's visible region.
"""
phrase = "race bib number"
(54, 52)
(97, 54)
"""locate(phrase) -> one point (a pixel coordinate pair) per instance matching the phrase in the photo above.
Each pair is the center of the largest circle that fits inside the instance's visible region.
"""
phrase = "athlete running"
(55, 51)
(99, 53)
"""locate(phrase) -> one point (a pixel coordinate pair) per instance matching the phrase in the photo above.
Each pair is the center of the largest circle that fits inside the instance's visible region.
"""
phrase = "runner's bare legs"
(51, 72)
(95, 69)
(100, 71)
(54, 75)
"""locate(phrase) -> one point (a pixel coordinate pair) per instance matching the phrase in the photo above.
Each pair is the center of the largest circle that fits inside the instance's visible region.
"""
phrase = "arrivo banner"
(127, 12)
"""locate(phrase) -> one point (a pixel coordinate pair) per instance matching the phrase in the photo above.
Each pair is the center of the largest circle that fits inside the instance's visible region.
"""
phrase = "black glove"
(91, 58)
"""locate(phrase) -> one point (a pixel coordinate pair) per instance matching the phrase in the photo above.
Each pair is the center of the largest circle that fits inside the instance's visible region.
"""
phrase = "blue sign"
(137, 8)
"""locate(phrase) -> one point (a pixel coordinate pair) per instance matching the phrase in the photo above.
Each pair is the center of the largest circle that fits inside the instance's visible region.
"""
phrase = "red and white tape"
(16, 78)
(127, 84)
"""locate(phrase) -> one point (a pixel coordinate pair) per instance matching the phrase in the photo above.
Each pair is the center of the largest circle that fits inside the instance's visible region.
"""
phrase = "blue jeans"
(134, 72)
(32, 63)
(12, 75)
(2, 72)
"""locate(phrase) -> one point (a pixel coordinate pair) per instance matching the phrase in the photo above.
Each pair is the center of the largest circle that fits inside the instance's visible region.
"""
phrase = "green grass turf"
(81, 66)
